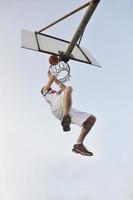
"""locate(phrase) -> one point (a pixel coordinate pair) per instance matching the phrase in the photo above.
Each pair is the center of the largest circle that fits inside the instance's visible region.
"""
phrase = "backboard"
(52, 45)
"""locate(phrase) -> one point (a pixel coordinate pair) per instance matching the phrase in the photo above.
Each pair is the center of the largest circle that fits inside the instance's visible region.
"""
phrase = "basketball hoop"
(62, 49)
(61, 71)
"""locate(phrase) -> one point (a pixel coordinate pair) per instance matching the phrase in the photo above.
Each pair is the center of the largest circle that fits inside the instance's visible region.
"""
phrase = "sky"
(36, 161)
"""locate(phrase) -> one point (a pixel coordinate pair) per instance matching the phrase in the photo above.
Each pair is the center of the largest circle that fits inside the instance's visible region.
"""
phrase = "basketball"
(53, 60)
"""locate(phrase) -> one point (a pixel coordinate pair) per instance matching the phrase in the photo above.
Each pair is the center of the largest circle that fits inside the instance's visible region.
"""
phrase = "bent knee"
(69, 89)
(93, 118)
(90, 121)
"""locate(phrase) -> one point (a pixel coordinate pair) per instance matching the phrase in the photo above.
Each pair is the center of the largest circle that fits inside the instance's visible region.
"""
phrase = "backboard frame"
(71, 50)
(33, 37)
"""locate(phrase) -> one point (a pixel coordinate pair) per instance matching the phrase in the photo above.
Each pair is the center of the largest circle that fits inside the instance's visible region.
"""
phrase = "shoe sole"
(66, 123)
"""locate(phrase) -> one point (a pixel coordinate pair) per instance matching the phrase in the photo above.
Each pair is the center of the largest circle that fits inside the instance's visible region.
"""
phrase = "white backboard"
(52, 45)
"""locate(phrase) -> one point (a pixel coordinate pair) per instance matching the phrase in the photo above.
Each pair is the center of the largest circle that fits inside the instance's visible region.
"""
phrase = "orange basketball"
(53, 60)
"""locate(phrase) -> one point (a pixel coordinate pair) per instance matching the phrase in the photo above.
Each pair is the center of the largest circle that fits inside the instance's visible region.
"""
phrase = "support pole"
(80, 30)
(64, 17)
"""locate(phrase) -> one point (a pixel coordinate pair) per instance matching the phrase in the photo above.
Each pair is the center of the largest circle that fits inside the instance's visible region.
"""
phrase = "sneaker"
(66, 123)
(80, 148)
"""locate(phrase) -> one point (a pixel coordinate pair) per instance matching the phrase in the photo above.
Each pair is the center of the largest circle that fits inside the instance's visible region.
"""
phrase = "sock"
(79, 142)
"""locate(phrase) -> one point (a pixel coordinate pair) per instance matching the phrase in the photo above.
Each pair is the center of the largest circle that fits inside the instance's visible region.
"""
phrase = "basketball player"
(61, 106)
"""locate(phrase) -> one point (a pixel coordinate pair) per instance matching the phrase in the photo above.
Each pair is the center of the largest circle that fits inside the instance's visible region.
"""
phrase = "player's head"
(53, 60)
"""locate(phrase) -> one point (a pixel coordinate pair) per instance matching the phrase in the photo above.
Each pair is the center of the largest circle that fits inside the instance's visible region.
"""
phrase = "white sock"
(79, 142)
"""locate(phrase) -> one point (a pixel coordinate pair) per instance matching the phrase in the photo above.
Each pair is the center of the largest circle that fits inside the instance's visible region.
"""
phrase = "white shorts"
(77, 117)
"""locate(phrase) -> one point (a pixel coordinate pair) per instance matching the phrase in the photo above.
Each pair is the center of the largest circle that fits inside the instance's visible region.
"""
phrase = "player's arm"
(51, 79)
(61, 85)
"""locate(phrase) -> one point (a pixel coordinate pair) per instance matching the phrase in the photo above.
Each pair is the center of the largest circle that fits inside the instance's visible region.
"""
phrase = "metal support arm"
(81, 28)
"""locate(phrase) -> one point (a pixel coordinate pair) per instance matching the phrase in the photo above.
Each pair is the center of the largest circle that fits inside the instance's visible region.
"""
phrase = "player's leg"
(87, 125)
(67, 103)
(67, 100)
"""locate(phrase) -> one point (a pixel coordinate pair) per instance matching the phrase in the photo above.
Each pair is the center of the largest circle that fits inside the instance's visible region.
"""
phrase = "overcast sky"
(36, 161)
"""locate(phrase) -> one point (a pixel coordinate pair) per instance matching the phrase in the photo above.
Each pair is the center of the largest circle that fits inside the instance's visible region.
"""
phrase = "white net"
(61, 71)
